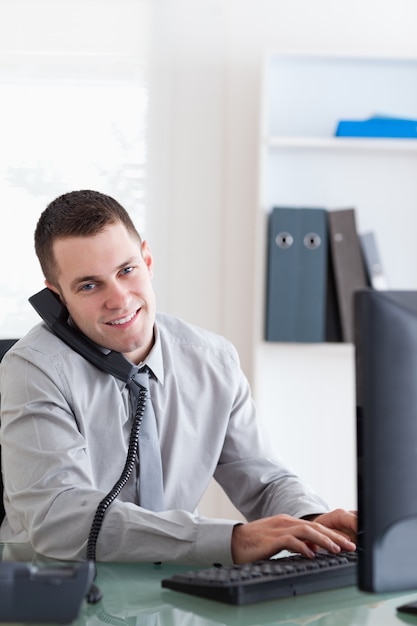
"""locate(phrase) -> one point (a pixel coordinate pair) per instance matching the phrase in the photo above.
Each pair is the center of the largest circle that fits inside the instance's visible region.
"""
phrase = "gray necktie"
(150, 484)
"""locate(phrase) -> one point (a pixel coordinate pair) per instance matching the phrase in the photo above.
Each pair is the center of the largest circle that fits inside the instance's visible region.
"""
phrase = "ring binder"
(297, 275)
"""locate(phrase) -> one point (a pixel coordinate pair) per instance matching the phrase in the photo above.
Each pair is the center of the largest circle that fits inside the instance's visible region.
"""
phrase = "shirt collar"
(154, 359)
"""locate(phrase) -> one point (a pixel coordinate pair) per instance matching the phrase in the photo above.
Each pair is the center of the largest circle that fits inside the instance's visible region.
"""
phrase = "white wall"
(204, 195)
(204, 135)
(72, 101)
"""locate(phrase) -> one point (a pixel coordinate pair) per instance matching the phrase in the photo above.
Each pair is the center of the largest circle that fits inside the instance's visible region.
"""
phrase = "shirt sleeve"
(267, 485)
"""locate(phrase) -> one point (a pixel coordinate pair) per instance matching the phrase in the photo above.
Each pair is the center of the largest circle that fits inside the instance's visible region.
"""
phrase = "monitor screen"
(386, 393)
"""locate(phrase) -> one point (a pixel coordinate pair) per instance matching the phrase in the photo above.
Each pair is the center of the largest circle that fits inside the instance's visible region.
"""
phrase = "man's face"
(105, 281)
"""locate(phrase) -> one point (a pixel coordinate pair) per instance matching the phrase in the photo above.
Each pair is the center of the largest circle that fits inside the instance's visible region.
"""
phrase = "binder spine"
(297, 275)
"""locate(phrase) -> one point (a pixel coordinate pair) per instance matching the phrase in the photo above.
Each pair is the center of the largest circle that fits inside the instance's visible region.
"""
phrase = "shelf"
(342, 143)
(302, 387)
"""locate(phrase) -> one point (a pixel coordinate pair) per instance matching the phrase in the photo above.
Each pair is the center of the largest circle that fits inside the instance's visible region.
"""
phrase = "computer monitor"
(386, 391)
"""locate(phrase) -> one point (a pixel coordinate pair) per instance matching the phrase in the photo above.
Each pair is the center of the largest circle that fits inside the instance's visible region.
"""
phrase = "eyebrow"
(91, 278)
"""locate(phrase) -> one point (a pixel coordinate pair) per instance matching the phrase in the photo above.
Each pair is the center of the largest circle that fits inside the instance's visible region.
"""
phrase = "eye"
(87, 287)
(127, 270)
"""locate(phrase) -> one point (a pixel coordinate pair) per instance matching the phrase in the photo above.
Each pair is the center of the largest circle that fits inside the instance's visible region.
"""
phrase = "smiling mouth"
(123, 320)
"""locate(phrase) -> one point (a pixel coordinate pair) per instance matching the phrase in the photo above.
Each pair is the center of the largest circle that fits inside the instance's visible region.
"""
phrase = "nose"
(116, 296)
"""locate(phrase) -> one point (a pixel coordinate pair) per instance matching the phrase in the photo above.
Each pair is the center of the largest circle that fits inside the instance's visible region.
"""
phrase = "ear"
(55, 289)
(147, 257)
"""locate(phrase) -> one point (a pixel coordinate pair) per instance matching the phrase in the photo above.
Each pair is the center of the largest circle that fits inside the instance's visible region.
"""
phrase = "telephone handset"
(55, 315)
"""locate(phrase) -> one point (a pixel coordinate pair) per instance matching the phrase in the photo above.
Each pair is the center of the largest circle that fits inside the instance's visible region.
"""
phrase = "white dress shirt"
(65, 429)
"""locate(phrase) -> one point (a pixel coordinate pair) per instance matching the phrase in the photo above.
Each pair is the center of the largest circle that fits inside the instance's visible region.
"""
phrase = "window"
(70, 119)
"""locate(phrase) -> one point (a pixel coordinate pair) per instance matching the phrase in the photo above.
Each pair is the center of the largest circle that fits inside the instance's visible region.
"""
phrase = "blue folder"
(378, 126)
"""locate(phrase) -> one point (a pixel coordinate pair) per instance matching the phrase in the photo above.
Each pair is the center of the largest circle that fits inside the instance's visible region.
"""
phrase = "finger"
(308, 540)
(344, 537)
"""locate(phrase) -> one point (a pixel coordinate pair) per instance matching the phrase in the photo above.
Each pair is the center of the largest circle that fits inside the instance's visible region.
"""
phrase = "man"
(65, 424)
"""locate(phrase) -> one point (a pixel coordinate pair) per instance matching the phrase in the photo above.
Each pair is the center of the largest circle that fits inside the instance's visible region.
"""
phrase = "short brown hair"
(76, 214)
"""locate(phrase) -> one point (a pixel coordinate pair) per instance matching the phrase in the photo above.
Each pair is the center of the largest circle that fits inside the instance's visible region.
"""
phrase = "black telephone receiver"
(55, 315)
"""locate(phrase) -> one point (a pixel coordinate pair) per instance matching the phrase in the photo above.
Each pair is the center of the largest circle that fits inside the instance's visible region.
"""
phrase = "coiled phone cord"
(94, 594)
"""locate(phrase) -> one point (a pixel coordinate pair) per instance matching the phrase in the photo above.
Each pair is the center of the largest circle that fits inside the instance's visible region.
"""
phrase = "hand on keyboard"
(343, 521)
(263, 538)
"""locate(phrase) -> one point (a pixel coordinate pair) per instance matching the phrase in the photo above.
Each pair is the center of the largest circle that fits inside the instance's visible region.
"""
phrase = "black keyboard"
(269, 579)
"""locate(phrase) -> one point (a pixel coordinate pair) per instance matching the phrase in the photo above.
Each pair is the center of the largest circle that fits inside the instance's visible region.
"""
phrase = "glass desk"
(133, 596)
